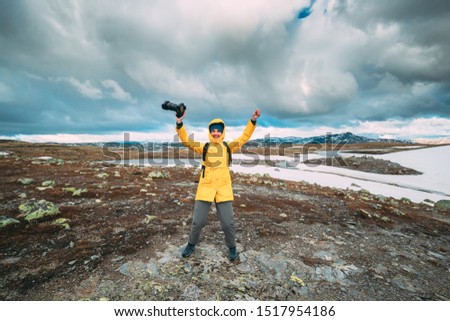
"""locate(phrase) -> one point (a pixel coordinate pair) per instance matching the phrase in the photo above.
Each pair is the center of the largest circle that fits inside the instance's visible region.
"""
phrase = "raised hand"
(180, 120)
(256, 114)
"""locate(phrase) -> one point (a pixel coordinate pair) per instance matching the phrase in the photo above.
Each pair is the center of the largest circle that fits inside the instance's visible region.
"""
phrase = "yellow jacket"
(215, 179)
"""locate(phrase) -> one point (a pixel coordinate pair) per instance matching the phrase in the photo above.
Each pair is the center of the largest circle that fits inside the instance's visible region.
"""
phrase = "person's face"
(215, 133)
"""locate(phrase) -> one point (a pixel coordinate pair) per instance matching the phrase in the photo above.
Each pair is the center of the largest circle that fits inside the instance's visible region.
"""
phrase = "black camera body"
(179, 109)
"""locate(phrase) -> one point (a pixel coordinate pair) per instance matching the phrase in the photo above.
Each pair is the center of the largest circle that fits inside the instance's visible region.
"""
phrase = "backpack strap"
(229, 153)
(205, 150)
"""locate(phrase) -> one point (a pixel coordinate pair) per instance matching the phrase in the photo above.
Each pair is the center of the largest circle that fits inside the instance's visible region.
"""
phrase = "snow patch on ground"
(433, 184)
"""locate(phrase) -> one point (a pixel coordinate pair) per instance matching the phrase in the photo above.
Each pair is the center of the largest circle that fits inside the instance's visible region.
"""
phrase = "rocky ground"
(116, 233)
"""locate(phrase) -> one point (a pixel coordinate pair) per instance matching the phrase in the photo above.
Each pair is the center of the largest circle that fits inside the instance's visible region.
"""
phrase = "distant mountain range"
(343, 138)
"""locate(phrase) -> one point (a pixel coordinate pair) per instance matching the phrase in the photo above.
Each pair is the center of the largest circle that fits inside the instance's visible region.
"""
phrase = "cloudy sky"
(81, 70)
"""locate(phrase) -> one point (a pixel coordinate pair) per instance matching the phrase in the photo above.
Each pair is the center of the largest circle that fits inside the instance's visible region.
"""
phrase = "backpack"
(205, 150)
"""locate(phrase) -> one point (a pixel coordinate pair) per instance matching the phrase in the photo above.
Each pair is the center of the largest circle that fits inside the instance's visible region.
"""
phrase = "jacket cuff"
(253, 121)
(179, 125)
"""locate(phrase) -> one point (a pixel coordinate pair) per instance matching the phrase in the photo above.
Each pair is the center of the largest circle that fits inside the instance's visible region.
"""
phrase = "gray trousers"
(226, 218)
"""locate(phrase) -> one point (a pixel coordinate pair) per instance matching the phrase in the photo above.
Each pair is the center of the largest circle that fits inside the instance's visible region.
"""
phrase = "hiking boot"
(233, 255)
(188, 250)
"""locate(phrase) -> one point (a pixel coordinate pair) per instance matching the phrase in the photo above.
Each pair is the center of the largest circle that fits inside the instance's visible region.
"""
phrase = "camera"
(178, 108)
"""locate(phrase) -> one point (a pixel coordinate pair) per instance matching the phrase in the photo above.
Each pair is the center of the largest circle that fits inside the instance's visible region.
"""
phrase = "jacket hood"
(222, 137)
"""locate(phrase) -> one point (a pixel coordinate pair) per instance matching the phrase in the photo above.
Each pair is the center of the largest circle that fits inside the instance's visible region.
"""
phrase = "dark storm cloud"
(305, 12)
(100, 66)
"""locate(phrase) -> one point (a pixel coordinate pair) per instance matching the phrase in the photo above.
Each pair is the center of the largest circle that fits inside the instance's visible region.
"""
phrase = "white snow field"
(433, 184)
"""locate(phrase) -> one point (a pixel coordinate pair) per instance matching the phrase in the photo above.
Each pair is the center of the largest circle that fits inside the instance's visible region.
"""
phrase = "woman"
(215, 180)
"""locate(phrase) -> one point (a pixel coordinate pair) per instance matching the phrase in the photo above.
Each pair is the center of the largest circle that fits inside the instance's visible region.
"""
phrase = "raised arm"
(236, 144)
(184, 138)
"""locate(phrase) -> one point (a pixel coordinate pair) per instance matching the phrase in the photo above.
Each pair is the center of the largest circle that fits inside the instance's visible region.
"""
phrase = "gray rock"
(152, 269)
(125, 269)
(436, 255)
(324, 255)
(10, 260)
(409, 269)
(117, 259)
(380, 269)
(404, 283)
(326, 273)
(245, 267)
(191, 293)
(335, 275)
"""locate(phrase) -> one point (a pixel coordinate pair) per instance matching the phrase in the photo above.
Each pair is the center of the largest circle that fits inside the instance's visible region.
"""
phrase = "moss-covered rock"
(297, 280)
(37, 210)
(157, 174)
(405, 200)
(149, 218)
(48, 184)
(69, 189)
(443, 205)
(64, 222)
(102, 175)
(5, 221)
(26, 181)
(79, 191)
(47, 160)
